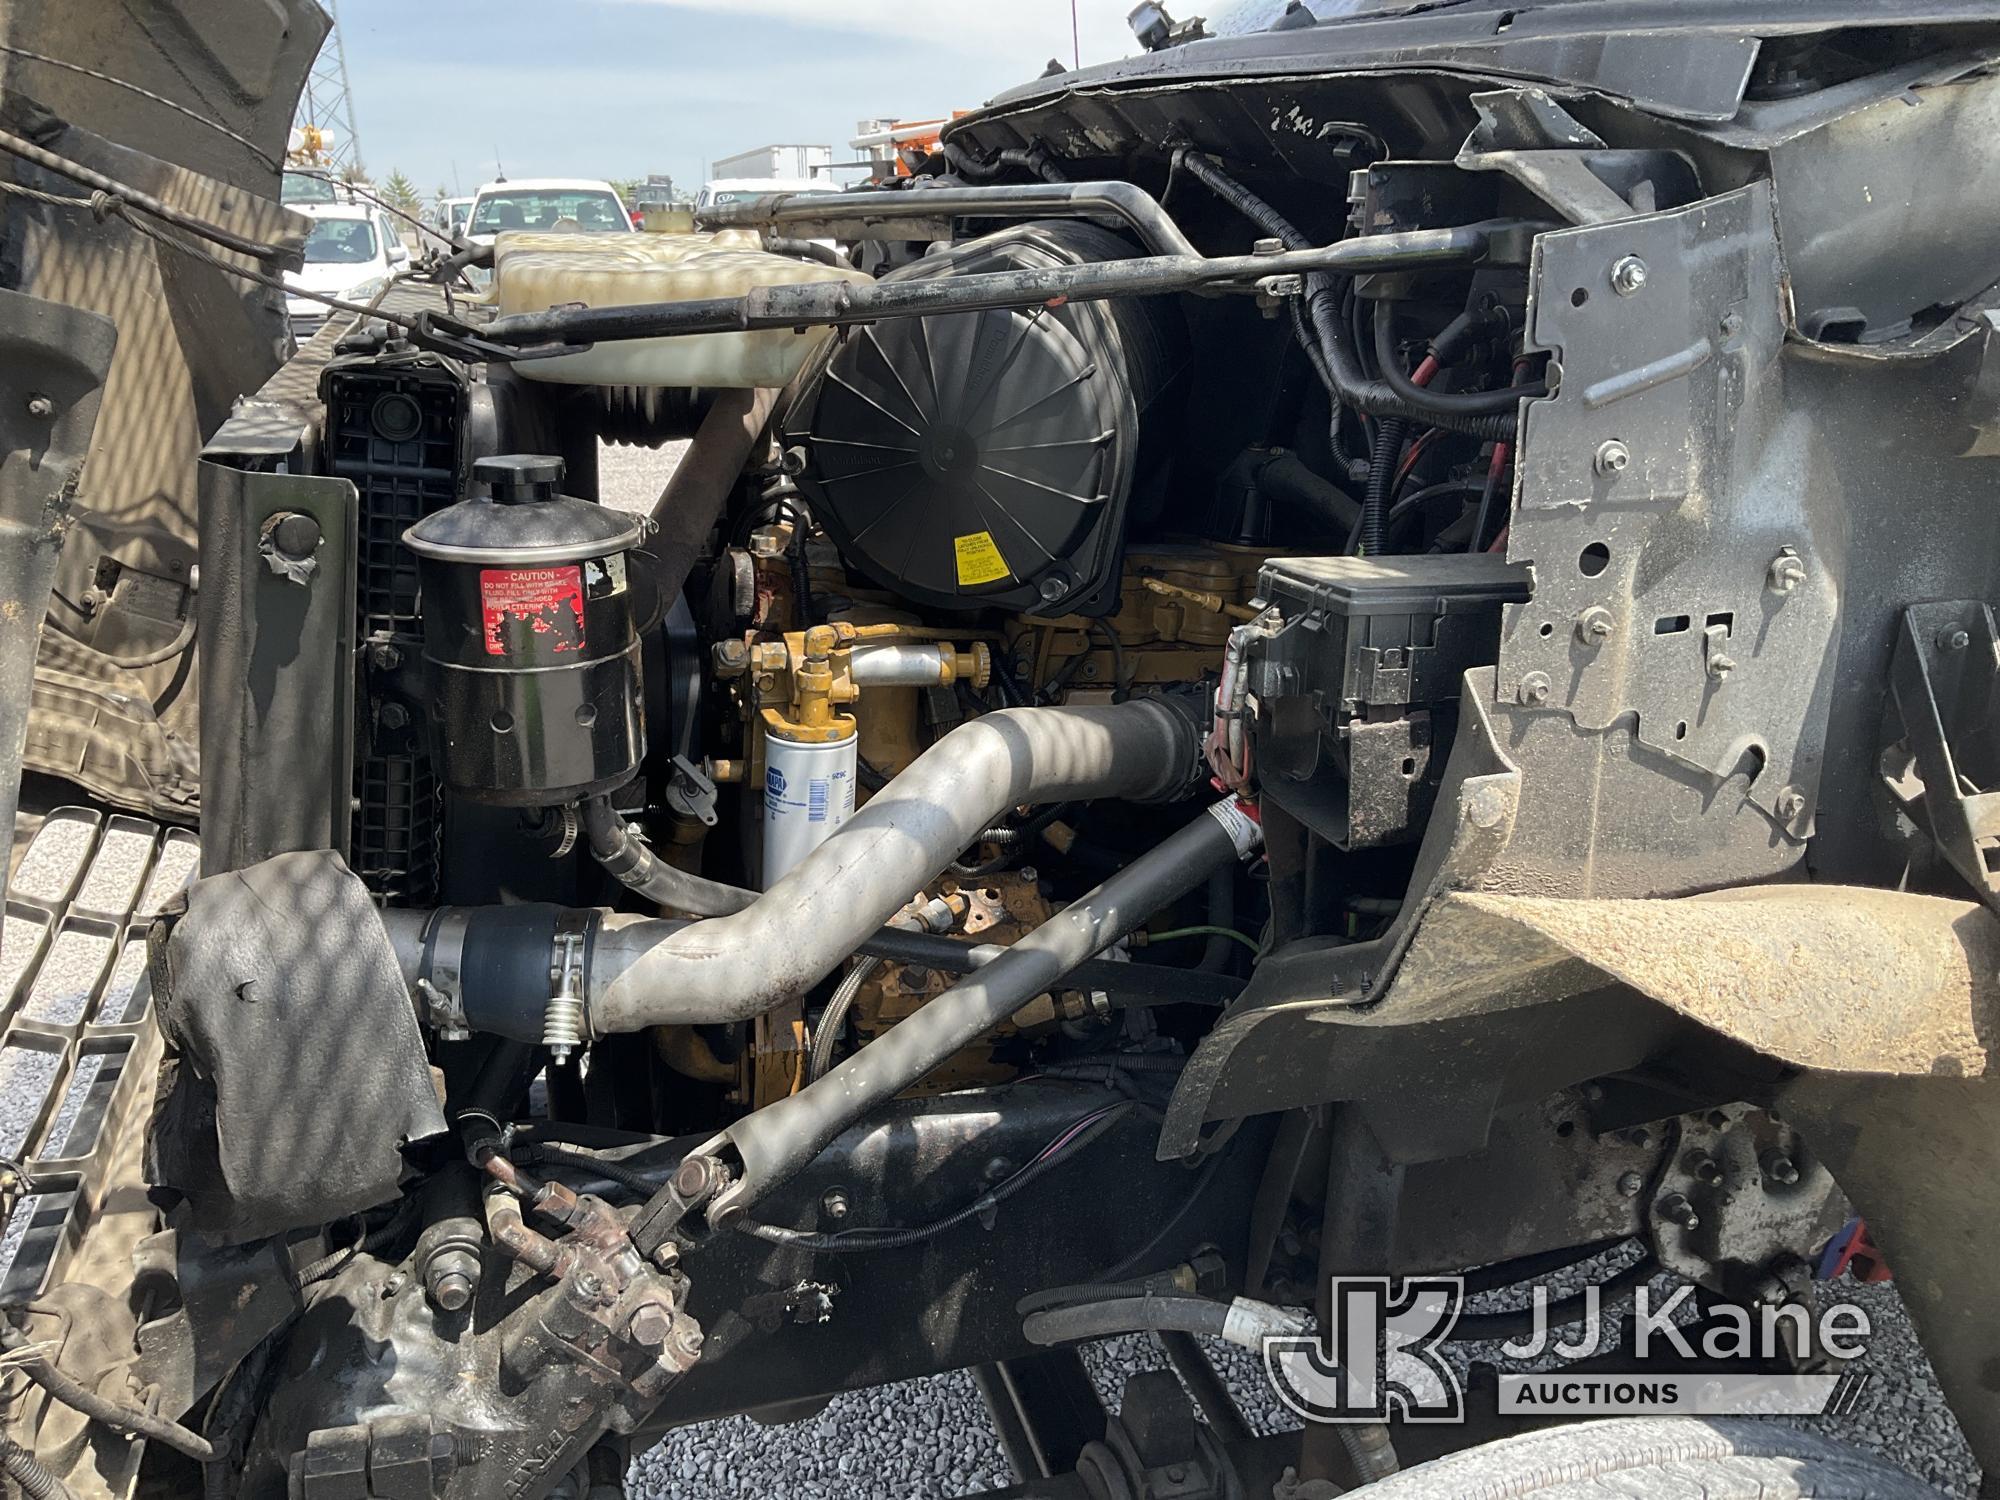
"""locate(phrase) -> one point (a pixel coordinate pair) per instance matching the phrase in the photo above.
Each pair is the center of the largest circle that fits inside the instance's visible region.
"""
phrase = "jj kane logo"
(1383, 1356)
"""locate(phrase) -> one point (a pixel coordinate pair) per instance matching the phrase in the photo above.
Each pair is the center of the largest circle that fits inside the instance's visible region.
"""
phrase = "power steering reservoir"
(531, 640)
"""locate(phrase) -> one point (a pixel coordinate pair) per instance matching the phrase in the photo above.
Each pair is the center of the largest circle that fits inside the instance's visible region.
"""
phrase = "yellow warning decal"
(979, 560)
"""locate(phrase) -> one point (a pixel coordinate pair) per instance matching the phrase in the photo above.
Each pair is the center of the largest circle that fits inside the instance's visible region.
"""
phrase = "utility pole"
(324, 135)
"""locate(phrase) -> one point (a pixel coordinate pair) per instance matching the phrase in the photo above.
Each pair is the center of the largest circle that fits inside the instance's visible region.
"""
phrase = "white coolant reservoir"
(809, 786)
(535, 270)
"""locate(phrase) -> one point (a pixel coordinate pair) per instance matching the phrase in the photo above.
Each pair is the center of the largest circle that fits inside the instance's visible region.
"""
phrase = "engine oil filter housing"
(531, 639)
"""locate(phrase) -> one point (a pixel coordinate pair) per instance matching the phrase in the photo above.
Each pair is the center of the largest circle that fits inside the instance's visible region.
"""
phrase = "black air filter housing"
(986, 460)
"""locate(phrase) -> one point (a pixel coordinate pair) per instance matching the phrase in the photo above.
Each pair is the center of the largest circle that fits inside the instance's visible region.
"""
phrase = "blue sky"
(620, 88)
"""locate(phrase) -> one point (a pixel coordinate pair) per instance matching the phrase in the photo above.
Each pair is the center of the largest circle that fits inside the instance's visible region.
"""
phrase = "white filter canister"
(808, 792)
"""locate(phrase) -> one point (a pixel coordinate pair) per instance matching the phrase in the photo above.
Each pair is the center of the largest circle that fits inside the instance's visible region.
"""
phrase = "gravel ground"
(20, 939)
(932, 1437)
(118, 1005)
(68, 977)
(26, 1074)
(117, 869)
(49, 870)
(179, 858)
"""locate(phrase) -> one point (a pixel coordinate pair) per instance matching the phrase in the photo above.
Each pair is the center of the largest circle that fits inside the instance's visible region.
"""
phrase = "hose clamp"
(442, 983)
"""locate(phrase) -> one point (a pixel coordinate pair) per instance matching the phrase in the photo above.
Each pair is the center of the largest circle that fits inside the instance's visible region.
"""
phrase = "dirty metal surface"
(1841, 979)
(1660, 488)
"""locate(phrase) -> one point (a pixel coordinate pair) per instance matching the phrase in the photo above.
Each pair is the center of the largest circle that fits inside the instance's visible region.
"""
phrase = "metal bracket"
(1945, 682)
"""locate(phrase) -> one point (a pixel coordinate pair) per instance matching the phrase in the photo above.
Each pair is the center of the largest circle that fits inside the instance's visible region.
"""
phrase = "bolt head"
(1594, 625)
(41, 408)
(1720, 666)
(297, 536)
(688, 1340)
(1052, 588)
(1954, 638)
(1780, 1168)
(1629, 275)
(1613, 457)
(1269, 247)
(1630, 1184)
(834, 1204)
(651, 1326)
(1708, 1170)
(1535, 689)
(1786, 573)
(1790, 804)
(1676, 1209)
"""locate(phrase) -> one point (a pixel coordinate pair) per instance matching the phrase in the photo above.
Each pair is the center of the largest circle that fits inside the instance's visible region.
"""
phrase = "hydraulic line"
(776, 1141)
(1351, 386)
(1613, 1292)
(1243, 1322)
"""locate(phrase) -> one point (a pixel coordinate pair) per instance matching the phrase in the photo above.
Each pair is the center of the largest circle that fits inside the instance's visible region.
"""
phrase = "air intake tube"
(641, 972)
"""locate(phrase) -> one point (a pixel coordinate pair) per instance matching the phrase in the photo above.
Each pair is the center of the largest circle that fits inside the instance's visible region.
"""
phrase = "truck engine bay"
(1359, 651)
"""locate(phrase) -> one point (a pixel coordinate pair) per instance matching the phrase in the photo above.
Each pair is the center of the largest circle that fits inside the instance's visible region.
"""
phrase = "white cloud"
(966, 26)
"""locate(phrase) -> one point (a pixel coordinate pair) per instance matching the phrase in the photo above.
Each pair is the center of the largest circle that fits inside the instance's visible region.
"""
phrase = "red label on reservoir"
(531, 609)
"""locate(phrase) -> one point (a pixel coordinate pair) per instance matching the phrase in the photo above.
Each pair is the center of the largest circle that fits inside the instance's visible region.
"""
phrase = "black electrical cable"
(1404, 508)
(1120, 688)
(859, 1241)
(1387, 450)
(117, 1415)
(331, 1265)
(1350, 384)
(1613, 1292)
(612, 1171)
(1488, 492)
(1430, 403)
(36, 1482)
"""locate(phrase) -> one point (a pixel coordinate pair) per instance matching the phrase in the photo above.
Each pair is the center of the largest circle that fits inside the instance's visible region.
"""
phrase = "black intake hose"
(1342, 365)
(778, 1140)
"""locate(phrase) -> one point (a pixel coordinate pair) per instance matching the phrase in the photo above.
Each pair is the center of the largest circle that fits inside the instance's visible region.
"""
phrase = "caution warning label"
(979, 560)
(530, 611)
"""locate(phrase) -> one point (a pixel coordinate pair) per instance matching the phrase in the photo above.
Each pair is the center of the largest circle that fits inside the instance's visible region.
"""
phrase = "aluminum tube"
(776, 1141)
(899, 664)
(798, 932)
(1031, 200)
